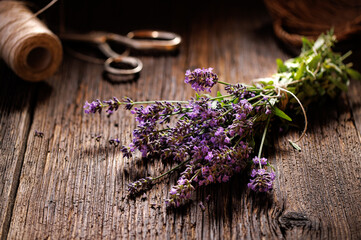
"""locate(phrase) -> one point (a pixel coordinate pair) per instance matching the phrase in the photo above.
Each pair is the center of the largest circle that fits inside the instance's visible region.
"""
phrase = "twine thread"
(27, 46)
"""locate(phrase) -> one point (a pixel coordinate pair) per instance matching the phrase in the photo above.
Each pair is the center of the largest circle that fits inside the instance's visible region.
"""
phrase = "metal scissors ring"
(139, 40)
(132, 61)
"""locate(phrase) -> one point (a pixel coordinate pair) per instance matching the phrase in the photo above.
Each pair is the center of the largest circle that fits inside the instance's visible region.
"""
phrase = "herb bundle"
(212, 138)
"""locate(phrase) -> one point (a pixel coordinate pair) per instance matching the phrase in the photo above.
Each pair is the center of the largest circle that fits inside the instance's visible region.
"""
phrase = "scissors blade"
(158, 40)
(92, 37)
(154, 40)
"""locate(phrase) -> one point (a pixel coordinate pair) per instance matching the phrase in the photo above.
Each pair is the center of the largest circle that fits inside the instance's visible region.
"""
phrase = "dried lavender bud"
(139, 185)
(256, 160)
(112, 105)
(114, 142)
(129, 103)
(239, 90)
(268, 111)
(97, 138)
(180, 193)
(38, 134)
(93, 107)
(262, 180)
(201, 205)
(201, 79)
(127, 153)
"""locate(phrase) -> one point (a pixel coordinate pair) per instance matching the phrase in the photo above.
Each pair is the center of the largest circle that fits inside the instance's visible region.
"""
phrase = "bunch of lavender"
(215, 137)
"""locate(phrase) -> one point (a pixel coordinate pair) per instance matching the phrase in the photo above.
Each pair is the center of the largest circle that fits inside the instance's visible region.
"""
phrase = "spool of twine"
(28, 47)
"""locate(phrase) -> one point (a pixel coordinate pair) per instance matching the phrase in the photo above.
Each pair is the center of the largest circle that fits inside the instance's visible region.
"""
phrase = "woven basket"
(310, 18)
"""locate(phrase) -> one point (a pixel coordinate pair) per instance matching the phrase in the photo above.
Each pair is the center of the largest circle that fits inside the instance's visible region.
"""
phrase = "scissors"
(139, 40)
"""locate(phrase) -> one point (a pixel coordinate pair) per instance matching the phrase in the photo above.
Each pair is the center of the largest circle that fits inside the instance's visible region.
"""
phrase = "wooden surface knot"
(294, 219)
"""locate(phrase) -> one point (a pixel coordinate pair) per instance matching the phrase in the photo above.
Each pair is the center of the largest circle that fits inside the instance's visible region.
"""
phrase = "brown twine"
(310, 18)
(28, 47)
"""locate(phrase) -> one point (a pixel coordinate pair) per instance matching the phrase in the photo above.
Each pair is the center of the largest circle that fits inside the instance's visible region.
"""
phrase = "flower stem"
(262, 141)
(175, 168)
(224, 83)
(253, 98)
(224, 96)
(195, 175)
(152, 102)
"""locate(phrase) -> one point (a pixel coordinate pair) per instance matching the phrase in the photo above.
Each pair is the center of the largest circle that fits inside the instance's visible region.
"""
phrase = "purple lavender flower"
(114, 141)
(256, 160)
(210, 134)
(201, 79)
(180, 193)
(93, 107)
(112, 105)
(139, 185)
(262, 180)
(239, 90)
(268, 111)
(129, 103)
(38, 134)
(127, 153)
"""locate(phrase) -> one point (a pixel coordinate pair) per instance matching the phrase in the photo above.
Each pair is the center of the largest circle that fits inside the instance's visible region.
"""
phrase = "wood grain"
(15, 119)
(72, 187)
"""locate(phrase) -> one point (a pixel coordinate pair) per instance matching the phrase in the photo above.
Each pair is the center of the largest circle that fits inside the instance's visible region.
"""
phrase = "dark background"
(124, 16)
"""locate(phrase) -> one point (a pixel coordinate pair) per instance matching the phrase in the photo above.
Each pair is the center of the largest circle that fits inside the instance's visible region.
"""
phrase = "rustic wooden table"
(67, 185)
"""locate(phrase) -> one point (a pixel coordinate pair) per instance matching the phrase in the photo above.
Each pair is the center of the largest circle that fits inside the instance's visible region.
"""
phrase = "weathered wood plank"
(321, 185)
(74, 187)
(15, 118)
(355, 105)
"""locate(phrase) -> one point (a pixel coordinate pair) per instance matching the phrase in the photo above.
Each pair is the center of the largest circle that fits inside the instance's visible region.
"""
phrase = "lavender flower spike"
(263, 180)
(180, 193)
(114, 141)
(93, 107)
(201, 79)
(256, 160)
(139, 185)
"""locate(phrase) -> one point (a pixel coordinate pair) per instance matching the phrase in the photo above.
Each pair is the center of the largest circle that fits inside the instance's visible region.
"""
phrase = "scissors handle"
(152, 40)
(132, 61)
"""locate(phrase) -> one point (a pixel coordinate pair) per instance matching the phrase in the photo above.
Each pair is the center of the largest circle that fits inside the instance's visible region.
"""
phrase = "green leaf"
(281, 66)
(269, 87)
(197, 96)
(313, 61)
(306, 44)
(294, 145)
(334, 67)
(310, 72)
(300, 71)
(278, 112)
(353, 73)
(219, 95)
(319, 42)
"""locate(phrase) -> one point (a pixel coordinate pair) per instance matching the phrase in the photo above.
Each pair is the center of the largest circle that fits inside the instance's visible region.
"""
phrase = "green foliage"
(316, 72)
(278, 112)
